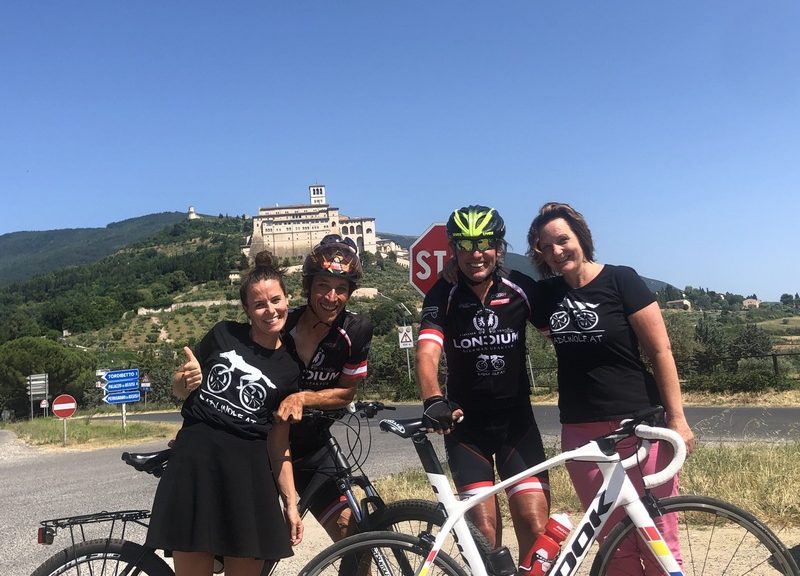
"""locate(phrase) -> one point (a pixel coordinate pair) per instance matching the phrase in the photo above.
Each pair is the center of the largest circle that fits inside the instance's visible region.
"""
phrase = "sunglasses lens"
(481, 244)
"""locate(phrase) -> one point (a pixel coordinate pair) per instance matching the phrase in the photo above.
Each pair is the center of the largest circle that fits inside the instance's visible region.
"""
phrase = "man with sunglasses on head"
(332, 344)
(485, 412)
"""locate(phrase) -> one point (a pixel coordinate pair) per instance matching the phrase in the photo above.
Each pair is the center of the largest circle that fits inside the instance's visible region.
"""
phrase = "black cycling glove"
(437, 413)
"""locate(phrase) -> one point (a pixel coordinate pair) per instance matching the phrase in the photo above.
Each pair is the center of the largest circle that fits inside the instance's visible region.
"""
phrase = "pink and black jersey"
(341, 354)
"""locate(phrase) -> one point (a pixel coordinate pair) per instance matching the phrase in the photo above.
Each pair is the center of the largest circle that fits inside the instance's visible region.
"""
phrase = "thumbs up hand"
(190, 374)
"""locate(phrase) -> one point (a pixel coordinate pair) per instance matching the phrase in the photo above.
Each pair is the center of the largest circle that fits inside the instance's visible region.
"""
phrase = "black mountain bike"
(115, 555)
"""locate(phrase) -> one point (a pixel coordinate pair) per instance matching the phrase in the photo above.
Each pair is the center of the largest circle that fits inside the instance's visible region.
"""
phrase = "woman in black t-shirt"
(218, 495)
(597, 316)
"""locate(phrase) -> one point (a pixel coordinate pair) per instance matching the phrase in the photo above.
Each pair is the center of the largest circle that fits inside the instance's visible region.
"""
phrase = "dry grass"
(88, 433)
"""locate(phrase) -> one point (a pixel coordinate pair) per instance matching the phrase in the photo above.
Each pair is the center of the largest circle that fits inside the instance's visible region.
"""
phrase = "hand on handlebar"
(440, 414)
(291, 409)
(681, 426)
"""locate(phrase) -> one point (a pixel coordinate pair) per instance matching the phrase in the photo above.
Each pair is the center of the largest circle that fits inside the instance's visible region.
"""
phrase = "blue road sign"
(122, 397)
(127, 375)
(121, 386)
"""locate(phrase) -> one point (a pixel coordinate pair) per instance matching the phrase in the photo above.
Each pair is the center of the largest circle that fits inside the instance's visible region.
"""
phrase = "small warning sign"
(405, 336)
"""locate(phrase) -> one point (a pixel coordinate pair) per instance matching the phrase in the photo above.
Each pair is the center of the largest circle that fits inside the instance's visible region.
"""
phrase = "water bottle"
(540, 557)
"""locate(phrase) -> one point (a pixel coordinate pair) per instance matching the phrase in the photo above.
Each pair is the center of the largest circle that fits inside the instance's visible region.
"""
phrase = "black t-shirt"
(601, 375)
(243, 383)
(343, 352)
(483, 342)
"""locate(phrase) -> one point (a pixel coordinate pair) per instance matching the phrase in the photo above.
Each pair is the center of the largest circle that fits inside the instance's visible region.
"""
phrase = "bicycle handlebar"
(648, 432)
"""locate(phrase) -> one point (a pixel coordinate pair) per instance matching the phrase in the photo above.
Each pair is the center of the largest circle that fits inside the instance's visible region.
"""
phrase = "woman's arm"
(648, 324)
(281, 459)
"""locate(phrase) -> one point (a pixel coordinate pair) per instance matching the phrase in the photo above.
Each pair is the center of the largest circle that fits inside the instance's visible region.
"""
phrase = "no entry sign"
(64, 406)
(428, 256)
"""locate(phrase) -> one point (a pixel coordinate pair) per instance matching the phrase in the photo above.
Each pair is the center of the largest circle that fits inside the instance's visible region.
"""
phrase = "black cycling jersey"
(484, 342)
(343, 352)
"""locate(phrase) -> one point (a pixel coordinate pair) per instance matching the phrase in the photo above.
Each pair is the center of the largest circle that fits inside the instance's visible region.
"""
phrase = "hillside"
(26, 254)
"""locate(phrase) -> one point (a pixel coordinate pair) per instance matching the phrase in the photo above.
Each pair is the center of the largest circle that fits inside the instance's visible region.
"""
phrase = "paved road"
(40, 484)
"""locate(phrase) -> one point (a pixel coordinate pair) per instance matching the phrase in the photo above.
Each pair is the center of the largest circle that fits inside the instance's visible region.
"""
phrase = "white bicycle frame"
(616, 491)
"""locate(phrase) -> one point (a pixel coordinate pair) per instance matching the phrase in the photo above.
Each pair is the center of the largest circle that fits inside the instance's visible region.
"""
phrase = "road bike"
(117, 555)
(714, 537)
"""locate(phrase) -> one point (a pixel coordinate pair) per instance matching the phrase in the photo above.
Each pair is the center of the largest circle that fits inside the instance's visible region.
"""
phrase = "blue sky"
(673, 126)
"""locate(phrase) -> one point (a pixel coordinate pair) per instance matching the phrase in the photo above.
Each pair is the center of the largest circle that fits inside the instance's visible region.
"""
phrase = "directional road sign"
(126, 375)
(122, 397)
(64, 406)
(121, 380)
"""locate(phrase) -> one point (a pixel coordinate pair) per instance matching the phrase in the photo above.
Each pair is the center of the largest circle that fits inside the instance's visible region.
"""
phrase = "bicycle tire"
(415, 516)
(715, 537)
(403, 555)
(105, 557)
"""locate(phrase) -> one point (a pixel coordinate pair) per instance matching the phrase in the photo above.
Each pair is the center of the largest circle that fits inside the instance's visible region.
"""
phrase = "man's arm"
(291, 409)
(427, 360)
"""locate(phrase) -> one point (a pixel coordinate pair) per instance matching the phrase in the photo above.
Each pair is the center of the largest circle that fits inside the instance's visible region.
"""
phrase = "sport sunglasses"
(476, 244)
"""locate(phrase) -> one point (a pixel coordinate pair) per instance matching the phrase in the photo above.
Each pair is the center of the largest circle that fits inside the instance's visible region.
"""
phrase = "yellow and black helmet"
(476, 222)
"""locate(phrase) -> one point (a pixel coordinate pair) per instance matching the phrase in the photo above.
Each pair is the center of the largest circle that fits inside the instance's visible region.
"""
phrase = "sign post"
(405, 337)
(64, 407)
(38, 388)
(428, 255)
(121, 387)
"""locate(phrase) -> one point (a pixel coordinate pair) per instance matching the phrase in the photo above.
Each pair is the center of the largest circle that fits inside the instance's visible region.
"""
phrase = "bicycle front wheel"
(106, 557)
(378, 553)
(417, 516)
(715, 538)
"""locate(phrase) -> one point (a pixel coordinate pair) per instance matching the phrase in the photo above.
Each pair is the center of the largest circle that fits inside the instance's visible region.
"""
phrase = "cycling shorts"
(314, 481)
(506, 439)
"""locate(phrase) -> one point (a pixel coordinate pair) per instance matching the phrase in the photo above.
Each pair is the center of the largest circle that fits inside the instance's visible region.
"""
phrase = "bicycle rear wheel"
(105, 557)
(378, 553)
(715, 538)
(417, 516)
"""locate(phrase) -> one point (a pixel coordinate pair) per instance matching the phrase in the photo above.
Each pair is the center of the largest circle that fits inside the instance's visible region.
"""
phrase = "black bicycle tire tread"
(419, 509)
(691, 502)
(378, 538)
(125, 549)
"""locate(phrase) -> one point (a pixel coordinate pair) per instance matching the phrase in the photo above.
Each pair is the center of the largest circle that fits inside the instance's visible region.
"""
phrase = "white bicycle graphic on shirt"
(252, 394)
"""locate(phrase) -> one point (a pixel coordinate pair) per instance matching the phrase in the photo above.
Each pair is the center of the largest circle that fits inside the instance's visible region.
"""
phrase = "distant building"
(294, 230)
(678, 304)
(192, 215)
(749, 303)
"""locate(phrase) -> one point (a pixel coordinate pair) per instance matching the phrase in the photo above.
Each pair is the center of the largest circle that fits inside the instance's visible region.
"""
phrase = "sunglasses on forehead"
(476, 244)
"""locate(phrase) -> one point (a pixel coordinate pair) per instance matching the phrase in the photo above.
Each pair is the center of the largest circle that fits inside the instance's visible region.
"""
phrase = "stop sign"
(428, 255)
(64, 406)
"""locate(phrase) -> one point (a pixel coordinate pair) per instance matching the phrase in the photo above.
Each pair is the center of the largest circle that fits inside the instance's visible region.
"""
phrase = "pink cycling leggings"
(587, 480)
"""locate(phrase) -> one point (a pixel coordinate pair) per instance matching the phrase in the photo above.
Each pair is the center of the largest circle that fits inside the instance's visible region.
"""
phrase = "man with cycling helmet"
(485, 412)
(332, 344)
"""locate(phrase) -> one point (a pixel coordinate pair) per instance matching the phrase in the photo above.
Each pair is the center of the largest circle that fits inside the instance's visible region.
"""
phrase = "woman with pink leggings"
(598, 316)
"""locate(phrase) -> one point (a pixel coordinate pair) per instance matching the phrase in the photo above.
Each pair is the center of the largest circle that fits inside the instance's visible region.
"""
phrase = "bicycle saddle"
(149, 462)
(405, 427)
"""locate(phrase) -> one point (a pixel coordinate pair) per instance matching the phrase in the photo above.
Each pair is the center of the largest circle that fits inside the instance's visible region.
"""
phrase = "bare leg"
(193, 563)
(243, 566)
(529, 512)
(486, 518)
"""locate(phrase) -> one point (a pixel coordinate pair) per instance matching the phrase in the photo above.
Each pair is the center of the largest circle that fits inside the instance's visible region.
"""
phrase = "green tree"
(749, 342)
(712, 344)
(787, 299)
(70, 370)
(681, 331)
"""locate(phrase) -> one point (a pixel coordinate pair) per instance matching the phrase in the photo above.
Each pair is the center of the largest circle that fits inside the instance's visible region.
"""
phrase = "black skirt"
(218, 495)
